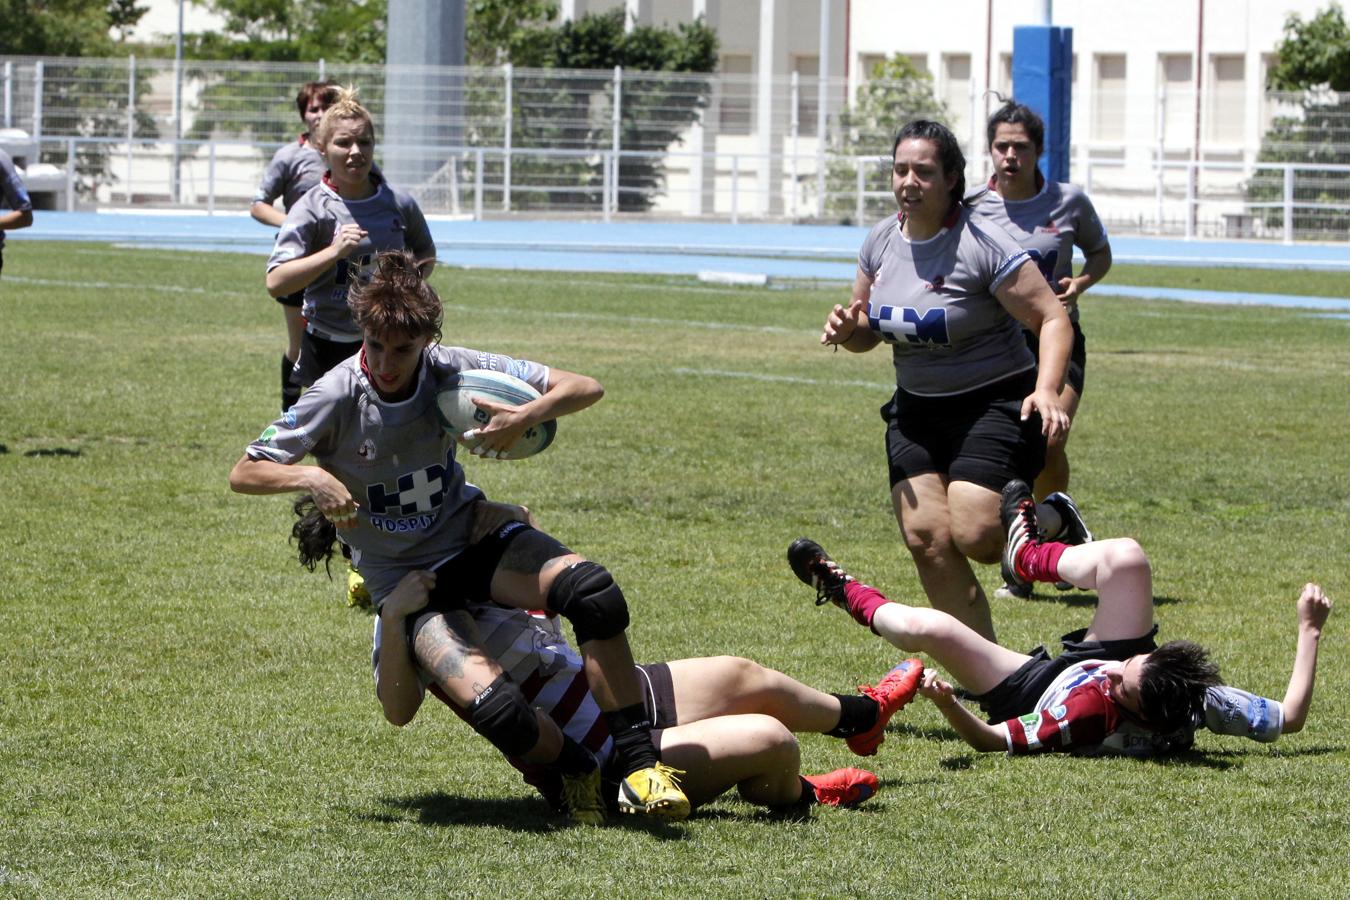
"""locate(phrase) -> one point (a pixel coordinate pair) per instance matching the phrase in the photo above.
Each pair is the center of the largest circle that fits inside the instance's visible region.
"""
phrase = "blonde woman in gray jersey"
(295, 168)
(387, 478)
(1048, 219)
(971, 410)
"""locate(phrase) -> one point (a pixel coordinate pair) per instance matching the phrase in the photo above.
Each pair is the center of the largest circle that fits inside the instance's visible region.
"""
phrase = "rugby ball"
(458, 413)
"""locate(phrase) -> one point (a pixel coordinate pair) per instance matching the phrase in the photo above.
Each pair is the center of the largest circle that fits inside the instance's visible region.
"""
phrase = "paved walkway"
(820, 252)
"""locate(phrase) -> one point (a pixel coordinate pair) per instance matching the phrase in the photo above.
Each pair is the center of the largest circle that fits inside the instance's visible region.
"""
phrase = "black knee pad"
(501, 715)
(586, 596)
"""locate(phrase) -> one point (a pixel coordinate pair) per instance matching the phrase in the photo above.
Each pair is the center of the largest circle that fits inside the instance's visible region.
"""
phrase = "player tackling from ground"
(724, 721)
(1111, 689)
(387, 478)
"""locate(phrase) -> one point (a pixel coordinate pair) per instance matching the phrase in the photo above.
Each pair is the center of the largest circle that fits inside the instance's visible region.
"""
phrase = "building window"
(1178, 96)
(1108, 97)
(738, 94)
(1227, 99)
(955, 92)
(867, 62)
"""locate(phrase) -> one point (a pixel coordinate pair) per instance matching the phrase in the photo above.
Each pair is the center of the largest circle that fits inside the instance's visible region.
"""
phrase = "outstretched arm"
(1313, 608)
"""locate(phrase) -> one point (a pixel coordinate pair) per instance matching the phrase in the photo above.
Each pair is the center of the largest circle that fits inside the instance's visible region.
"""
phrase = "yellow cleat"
(654, 792)
(582, 795)
(358, 595)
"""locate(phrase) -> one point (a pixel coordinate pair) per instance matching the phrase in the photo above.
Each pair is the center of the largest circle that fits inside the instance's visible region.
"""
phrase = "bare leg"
(925, 523)
(447, 648)
(1055, 475)
(295, 328)
(976, 662)
(1120, 572)
(731, 685)
(752, 752)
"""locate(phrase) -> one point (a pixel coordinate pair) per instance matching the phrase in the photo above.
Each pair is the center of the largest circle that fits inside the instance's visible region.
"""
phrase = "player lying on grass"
(724, 721)
(364, 442)
(1112, 689)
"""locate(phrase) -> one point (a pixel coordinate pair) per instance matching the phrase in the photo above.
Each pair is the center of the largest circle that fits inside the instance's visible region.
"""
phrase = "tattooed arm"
(398, 687)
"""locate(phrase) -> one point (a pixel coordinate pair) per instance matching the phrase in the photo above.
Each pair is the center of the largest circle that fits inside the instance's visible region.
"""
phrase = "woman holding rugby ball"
(430, 544)
(971, 409)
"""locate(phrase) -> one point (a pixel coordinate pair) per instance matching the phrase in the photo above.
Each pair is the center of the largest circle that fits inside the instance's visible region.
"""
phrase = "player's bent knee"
(1125, 553)
(585, 595)
(501, 714)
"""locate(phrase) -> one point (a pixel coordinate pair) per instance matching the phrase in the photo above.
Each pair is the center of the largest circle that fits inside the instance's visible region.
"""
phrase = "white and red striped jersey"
(1075, 713)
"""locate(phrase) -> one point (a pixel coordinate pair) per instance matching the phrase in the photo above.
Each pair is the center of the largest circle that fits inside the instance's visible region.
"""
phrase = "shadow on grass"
(1084, 600)
(524, 814)
(54, 451)
(527, 815)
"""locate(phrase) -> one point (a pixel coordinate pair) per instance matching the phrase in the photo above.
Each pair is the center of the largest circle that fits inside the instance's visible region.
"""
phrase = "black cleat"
(813, 566)
(1074, 530)
(1017, 513)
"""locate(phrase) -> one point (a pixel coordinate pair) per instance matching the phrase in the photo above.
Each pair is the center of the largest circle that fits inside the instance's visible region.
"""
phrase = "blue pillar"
(1043, 79)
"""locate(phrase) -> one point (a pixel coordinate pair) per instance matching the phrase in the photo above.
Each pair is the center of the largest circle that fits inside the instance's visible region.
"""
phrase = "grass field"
(187, 713)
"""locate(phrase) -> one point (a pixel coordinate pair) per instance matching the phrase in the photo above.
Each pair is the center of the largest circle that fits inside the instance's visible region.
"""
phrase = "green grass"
(186, 712)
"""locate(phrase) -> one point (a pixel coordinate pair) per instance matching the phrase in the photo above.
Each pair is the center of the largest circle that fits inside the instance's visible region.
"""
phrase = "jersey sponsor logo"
(367, 450)
(1059, 711)
(269, 433)
(412, 502)
(391, 525)
(1046, 263)
(1031, 723)
(351, 267)
(289, 419)
(919, 328)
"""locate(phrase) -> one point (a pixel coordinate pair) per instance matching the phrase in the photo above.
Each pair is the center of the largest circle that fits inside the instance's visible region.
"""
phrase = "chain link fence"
(502, 141)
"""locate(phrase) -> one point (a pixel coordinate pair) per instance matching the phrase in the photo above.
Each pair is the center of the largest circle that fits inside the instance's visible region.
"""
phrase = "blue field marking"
(810, 252)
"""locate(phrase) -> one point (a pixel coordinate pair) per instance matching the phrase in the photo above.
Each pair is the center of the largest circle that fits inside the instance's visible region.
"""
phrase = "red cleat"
(891, 694)
(843, 787)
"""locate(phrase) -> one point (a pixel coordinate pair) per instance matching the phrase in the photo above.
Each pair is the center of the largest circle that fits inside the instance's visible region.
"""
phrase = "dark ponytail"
(313, 535)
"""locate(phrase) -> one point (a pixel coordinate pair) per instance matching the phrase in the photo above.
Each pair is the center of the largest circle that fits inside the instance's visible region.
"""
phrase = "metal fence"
(618, 143)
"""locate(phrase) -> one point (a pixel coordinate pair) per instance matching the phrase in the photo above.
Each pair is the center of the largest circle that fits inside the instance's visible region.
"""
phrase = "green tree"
(350, 31)
(1314, 59)
(895, 92)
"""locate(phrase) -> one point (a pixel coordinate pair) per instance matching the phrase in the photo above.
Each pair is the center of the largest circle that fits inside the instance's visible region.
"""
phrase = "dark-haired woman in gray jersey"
(971, 411)
(1048, 219)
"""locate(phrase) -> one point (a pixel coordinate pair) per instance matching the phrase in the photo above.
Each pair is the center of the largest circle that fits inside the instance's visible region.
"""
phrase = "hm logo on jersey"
(413, 502)
(926, 328)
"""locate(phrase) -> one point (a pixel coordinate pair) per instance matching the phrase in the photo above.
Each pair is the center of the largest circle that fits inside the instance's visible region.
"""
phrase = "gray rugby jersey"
(12, 191)
(933, 302)
(1048, 225)
(295, 168)
(399, 465)
(392, 221)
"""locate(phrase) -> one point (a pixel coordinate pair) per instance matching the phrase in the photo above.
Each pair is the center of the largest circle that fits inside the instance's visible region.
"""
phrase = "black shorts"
(977, 436)
(1017, 694)
(467, 578)
(296, 300)
(319, 354)
(1077, 370)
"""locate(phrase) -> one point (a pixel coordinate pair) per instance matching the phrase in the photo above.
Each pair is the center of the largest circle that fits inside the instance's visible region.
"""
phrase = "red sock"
(863, 601)
(1040, 562)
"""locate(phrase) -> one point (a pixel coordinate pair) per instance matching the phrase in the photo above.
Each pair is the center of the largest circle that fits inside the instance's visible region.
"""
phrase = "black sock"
(808, 793)
(857, 713)
(574, 758)
(632, 733)
(290, 391)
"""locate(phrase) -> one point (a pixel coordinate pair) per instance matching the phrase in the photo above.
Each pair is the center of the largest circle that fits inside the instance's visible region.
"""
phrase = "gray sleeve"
(416, 234)
(1090, 235)
(274, 179)
(869, 255)
(307, 427)
(298, 235)
(997, 253)
(462, 359)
